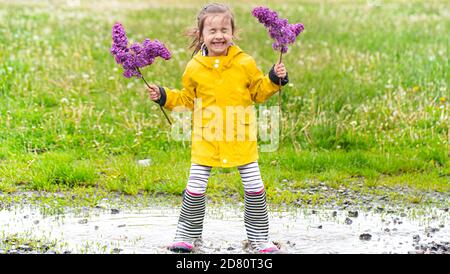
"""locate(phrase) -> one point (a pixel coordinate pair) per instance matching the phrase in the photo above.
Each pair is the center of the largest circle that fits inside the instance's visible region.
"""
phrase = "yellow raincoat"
(221, 92)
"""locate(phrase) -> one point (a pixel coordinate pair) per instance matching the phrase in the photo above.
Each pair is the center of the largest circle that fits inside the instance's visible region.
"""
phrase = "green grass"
(368, 98)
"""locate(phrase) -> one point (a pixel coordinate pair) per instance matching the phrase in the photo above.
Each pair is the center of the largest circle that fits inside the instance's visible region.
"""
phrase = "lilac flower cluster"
(137, 55)
(279, 29)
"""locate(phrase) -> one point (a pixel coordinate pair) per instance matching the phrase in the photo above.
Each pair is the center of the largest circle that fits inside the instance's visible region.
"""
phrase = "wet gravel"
(357, 195)
(432, 248)
(149, 230)
(12, 244)
(371, 224)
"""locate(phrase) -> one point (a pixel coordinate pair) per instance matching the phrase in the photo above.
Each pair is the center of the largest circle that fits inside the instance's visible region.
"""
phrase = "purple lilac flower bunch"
(137, 55)
(279, 29)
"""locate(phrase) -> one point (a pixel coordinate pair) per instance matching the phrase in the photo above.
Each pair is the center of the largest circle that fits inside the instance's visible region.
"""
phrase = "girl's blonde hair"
(196, 32)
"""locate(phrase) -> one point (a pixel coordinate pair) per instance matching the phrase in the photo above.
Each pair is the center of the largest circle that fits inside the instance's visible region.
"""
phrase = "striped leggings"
(190, 223)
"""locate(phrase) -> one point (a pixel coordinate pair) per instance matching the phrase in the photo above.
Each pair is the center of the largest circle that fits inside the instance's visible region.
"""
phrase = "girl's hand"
(154, 92)
(280, 70)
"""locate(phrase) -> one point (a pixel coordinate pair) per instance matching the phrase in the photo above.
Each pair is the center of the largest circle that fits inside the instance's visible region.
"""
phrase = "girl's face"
(217, 34)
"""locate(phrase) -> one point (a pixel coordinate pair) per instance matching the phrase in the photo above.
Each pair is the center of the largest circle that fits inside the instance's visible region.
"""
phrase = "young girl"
(222, 82)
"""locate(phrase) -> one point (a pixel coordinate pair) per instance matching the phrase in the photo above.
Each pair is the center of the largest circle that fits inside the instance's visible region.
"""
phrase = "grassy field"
(367, 105)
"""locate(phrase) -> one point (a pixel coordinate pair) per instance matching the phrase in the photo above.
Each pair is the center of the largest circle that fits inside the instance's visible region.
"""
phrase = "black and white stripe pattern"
(190, 223)
(251, 177)
(256, 219)
(255, 216)
(198, 178)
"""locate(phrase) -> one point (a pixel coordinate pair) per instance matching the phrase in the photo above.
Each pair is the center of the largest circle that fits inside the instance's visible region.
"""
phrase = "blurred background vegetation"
(367, 99)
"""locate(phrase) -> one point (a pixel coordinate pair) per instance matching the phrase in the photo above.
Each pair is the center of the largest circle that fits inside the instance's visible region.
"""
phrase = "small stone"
(334, 214)
(365, 237)
(36, 222)
(144, 163)
(45, 247)
(114, 211)
(431, 229)
(117, 250)
(277, 244)
(25, 248)
(348, 221)
(353, 214)
(230, 248)
(122, 225)
(387, 230)
(83, 221)
(319, 227)
(245, 244)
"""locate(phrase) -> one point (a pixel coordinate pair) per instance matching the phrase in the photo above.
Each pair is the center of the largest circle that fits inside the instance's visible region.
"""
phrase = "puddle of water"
(150, 230)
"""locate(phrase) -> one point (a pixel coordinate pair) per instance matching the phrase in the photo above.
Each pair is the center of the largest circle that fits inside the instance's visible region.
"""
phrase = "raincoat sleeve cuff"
(162, 100)
(275, 79)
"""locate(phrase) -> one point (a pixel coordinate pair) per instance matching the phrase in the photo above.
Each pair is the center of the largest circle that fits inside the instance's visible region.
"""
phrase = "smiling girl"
(221, 82)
